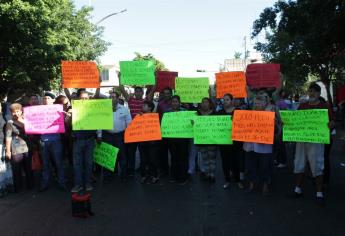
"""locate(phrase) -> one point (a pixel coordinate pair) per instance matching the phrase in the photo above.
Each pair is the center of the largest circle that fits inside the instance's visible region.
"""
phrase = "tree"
(237, 55)
(305, 37)
(158, 64)
(37, 35)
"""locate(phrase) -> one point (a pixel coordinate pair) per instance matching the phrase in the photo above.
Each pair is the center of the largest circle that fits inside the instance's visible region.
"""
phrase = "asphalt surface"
(197, 208)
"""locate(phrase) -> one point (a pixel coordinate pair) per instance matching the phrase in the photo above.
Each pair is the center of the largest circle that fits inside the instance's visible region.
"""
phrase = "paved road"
(197, 208)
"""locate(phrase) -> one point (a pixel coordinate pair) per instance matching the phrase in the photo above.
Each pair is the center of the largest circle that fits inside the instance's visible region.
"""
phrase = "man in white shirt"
(115, 137)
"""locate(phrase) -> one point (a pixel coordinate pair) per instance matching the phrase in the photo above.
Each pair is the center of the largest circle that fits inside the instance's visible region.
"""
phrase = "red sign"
(340, 94)
(263, 75)
(165, 79)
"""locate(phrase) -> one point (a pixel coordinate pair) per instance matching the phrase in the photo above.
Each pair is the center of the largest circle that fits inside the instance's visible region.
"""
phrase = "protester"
(115, 137)
(178, 148)
(33, 100)
(83, 145)
(312, 152)
(149, 153)
(230, 154)
(259, 157)
(51, 147)
(17, 150)
(208, 153)
(163, 106)
(135, 104)
(5, 168)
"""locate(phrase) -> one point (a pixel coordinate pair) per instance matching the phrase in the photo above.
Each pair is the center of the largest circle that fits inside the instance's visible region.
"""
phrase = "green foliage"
(305, 37)
(36, 35)
(237, 55)
(158, 64)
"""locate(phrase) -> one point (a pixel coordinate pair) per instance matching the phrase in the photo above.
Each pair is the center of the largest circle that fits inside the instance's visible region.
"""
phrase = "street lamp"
(110, 15)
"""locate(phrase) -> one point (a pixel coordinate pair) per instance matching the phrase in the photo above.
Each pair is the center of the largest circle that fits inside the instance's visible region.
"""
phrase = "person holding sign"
(17, 150)
(231, 154)
(178, 148)
(83, 146)
(149, 153)
(115, 137)
(208, 153)
(135, 104)
(311, 152)
(51, 146)
(259, 156)
(164, 105)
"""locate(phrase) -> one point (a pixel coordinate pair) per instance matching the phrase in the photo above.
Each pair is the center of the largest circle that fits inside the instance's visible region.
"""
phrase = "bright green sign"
(92, 114)
(306, 126)
(177, 124)
(191, 90)
(212, 130)
(137, 73)
(105, 155)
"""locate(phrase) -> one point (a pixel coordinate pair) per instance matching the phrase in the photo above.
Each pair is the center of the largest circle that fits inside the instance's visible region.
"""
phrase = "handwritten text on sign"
(137, 72)
(233, 83)
(165, 79)
(306, 126)
(192, 90)
(178, 124)
(253, 126)
(144, 127)
(80, 74)
(44, 119)
(263, 75)
(212, 130)
(92, 114)
(105, 155)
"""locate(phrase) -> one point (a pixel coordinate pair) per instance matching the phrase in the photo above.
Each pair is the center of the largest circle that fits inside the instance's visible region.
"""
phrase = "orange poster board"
(80, 74)
(253, 126)
(144, 127)
(231, 82)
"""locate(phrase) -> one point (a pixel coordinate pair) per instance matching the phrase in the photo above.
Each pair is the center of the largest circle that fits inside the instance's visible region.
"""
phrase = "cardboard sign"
(105, 155)
(306, 126)
(137, 73)
(233, 83)
(92, 114)
(212, 130)
(80, 74)
(144, 127)
(191, 90)
(165, 79)
(44, 119)
(178, 124)
(253, 126)
(263, 75)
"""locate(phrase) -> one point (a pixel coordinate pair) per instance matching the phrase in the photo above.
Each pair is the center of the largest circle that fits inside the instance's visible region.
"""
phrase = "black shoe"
(63, 188)
(320, 201)
(43, 189)
(294, 195)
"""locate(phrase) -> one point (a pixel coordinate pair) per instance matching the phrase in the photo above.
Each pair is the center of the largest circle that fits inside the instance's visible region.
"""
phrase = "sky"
(186, 35)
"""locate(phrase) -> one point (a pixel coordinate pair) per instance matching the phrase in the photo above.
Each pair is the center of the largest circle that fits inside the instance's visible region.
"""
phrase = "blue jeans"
(82, 159)
(52, 149)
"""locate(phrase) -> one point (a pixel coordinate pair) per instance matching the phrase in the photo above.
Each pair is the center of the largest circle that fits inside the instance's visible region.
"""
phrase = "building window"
(105, 75)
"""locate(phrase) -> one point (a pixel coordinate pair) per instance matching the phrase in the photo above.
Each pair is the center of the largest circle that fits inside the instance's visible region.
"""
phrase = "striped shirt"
(135, 106)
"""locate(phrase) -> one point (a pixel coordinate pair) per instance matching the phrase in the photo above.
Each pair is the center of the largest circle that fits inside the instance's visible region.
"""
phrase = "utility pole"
(245, 51)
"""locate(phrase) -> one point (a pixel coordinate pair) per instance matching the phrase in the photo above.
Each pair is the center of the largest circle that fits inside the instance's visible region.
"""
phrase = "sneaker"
(88, 187)
(143, 180)
(154, 180)
(76, 189)
(320, 201)
(281, 165)
(240, 185)
(226, 185)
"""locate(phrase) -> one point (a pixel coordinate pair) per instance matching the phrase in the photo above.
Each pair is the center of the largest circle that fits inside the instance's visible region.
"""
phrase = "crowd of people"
(249, 165)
